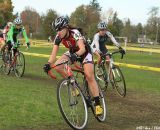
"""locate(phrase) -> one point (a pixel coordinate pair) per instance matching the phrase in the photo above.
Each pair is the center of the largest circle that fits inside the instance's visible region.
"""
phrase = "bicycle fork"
(72, 91)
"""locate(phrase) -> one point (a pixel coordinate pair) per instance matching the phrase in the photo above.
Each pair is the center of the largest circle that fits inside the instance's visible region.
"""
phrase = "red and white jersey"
(5, 30)
(71, 41)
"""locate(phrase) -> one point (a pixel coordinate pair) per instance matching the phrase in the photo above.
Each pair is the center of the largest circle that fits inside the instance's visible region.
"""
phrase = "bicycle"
(11, 61)
(73, 106)
(112, 74)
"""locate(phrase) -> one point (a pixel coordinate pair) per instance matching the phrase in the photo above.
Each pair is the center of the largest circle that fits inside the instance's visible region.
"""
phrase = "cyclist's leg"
(89, 73)
(9, 45)
(60, 69)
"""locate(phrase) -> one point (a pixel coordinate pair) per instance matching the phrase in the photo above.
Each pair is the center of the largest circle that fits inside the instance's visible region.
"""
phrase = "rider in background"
(13, 33)
(99, 41)
(72, 39)
(3, 36)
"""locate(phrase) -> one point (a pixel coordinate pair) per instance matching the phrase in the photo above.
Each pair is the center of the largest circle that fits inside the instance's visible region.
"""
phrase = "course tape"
(42, 44)
(139, 67)
(120, 64)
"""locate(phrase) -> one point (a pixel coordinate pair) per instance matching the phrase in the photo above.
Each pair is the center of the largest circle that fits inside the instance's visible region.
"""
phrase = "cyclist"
(3, 36)
(99, 41)
(13, 33)
(72, 39)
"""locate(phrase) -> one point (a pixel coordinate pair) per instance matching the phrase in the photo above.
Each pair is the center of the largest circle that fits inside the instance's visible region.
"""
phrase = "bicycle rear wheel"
(73, 107)
(119, 81)
(19, 67)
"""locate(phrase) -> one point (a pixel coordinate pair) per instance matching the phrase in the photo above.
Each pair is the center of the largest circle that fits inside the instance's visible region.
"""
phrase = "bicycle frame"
(110, 66)
(67, 68)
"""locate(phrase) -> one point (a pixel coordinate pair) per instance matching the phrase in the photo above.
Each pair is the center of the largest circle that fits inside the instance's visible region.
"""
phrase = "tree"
(78, 18)
(153, 24)
(6, 9)
(139, 28)
(87, 17)
(115, 25)
(107, 16)
(31, 19)
(95, 5)
(127, 30)
(47, 22)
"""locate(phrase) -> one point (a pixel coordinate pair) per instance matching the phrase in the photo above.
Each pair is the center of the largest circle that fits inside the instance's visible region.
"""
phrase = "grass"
(30, 101)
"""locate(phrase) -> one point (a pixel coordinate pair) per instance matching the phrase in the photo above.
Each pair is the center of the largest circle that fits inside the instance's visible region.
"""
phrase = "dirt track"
(137, 109)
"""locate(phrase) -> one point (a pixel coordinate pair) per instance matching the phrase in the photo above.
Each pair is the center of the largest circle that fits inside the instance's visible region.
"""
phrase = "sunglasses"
(18, 25)
(103, 29)
(60, 29)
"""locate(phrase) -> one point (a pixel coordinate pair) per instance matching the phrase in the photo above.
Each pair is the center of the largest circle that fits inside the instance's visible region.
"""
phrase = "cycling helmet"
(59, 23)
(9, 24)
(17, 21)
(102, 25)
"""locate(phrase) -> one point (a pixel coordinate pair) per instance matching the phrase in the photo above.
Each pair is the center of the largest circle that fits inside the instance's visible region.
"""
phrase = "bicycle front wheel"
(101, 77)
(7, 60)
(72, 105)
(119, 81)
(19, 65)
(1, 60)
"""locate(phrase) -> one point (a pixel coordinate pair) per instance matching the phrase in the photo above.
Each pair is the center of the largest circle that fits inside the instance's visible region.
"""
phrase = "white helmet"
(102, 25)
(17, 21)
(9, 24)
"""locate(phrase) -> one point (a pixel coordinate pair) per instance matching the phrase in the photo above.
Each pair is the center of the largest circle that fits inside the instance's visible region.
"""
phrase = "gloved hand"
(28, 45)
(73, 57)
(46, 68)
(122, 50)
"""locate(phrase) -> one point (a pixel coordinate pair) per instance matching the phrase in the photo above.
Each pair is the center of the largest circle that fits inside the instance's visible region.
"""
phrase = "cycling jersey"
(14, 32)
(3, 34)
(71, 42)
(99, 42)
(5, 31)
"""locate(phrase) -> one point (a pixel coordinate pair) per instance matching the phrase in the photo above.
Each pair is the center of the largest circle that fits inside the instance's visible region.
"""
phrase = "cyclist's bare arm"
(81, 46)
(95, 44)
(53, 54)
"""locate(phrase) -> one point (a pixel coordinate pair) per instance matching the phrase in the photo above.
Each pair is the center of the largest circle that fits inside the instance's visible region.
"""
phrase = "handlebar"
(50, 72)
(112, 53)
(68, 69)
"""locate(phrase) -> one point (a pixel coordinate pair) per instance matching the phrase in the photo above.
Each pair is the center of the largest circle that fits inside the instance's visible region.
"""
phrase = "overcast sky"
(136, 10)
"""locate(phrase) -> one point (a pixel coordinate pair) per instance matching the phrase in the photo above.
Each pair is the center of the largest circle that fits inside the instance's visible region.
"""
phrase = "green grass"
(30, 101)
(139, 58)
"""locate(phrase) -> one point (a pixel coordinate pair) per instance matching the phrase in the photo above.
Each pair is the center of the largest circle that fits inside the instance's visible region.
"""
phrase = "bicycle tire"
(78, 109)
(99, 73)
(119, 81)
(19, 67)
(1, 60)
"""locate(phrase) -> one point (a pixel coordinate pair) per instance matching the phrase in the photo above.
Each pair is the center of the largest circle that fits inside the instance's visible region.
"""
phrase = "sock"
(97, 101)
